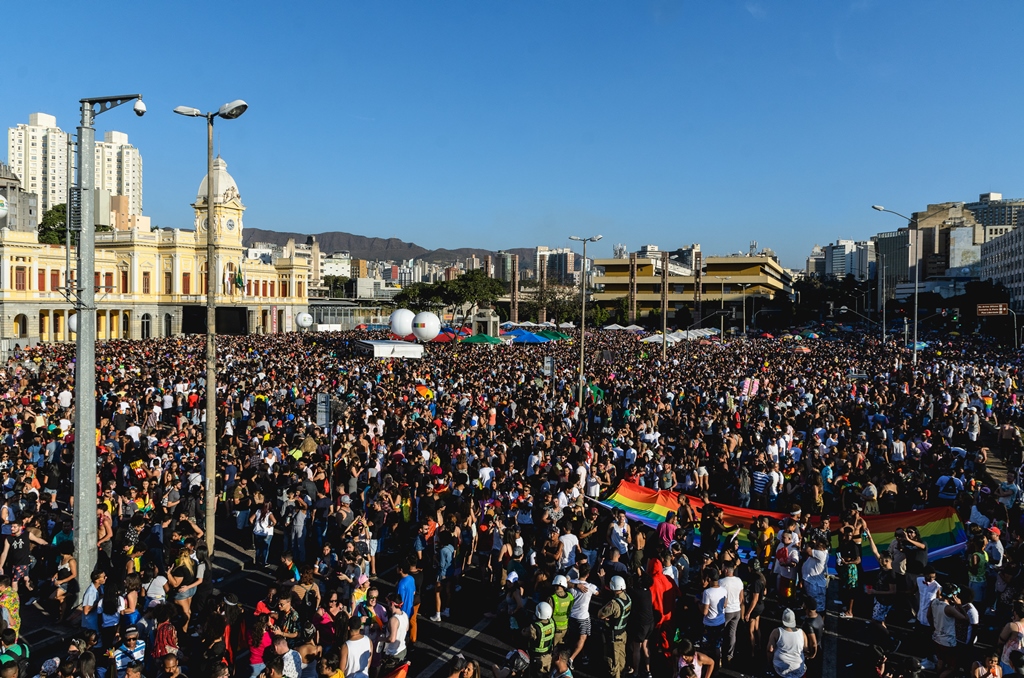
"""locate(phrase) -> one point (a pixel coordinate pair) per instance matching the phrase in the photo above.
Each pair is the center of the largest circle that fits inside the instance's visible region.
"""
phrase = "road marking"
(828, 666)
(465, 640)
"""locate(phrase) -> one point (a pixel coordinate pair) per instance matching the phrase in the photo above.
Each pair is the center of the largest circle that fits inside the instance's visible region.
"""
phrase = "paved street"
(482, 638)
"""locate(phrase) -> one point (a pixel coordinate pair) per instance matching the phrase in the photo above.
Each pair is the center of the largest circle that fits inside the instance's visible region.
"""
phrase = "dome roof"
(223, 184)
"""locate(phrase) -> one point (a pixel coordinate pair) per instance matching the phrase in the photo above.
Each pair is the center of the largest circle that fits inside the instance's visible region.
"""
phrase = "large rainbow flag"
(940, 528)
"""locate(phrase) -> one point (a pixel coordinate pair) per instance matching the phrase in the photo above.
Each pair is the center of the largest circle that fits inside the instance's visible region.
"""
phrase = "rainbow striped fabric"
(940, 528)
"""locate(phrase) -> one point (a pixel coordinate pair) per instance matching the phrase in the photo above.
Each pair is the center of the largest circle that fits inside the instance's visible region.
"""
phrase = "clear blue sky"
(501, 123)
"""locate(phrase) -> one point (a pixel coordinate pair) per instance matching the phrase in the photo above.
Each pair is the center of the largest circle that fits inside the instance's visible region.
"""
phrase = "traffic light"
(956, 315)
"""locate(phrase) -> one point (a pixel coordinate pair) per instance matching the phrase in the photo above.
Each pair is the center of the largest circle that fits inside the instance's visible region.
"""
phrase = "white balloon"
(304, 320)
(426, 326)
(73, 323)
(401, 322)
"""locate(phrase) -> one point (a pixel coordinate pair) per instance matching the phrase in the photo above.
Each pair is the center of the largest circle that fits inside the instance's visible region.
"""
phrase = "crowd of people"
(473, 469)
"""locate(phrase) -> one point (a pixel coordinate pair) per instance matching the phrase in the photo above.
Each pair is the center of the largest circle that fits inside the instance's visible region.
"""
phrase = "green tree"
(335, 285)
(597, 315)
(53, 225)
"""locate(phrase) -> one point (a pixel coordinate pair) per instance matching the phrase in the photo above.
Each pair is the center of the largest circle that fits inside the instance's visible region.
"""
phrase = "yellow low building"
(735, 280)
(153, 283)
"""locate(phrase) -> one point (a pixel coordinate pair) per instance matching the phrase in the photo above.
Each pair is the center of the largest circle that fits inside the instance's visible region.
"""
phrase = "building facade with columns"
(152, 283)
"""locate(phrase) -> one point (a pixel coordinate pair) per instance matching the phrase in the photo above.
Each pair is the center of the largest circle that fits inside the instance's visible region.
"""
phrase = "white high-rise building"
(38, 154)
(119, 169)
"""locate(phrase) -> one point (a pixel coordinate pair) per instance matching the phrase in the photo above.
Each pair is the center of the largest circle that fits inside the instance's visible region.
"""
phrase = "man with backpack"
(15, 650)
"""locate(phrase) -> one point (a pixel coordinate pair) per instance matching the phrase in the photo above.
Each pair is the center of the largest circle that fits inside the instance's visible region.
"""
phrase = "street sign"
(549, 366)
(323, 409)
(993, 309)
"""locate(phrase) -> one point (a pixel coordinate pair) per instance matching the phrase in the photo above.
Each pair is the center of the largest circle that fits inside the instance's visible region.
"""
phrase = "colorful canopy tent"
(528, 338)
(940, 528)
(802, 349)
(481, 339)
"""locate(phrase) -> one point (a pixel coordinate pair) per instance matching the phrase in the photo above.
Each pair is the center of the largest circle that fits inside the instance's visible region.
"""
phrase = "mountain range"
(380, 249)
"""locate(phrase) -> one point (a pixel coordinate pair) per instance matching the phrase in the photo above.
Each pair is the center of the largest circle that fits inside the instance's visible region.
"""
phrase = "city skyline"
(501, 126)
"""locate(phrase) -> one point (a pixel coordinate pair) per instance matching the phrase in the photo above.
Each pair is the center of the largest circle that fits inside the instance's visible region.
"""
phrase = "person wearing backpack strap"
(14, 650)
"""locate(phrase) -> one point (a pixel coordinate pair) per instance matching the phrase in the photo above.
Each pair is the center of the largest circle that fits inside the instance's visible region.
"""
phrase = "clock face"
(203, 224)
(231, 224)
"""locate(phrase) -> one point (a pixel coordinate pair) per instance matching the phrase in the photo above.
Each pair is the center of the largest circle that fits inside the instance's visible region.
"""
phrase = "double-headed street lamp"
(85, 338)
(228, 111)
(917, 268)
(583, 308)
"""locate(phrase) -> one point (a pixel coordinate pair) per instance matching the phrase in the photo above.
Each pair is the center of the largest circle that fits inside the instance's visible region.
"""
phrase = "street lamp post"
(85, 344)
(917, 269)
(228, 111)
(723, 278)
(881, 282)
(743, 298)
(583, 309)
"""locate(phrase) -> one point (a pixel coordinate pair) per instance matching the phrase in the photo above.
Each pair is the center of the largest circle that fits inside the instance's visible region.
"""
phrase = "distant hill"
(380, 249)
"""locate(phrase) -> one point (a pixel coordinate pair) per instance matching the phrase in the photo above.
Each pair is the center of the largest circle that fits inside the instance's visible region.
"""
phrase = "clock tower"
(227, 209)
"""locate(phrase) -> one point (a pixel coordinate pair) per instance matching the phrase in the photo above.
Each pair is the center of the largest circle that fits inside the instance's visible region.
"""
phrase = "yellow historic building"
(153, 283)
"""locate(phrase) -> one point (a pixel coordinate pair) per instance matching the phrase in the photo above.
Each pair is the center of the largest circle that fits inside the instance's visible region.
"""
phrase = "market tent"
(613, 326)
(481, 339)
(552, 335)
(528, 338)
(657, 339)
(567, 326)
(634, 328)
(802, 349)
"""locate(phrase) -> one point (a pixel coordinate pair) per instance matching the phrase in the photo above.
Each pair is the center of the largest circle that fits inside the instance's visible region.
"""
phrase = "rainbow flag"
(940, 528)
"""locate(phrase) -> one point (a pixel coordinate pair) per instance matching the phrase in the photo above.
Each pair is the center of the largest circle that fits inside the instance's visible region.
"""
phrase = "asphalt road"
(484, 639)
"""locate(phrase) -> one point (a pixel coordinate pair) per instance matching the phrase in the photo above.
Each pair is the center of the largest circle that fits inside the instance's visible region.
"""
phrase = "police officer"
(561, 602)
(542, 641)
(616, 617)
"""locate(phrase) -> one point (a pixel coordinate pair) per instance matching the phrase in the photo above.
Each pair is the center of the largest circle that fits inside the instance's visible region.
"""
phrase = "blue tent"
(528, 338)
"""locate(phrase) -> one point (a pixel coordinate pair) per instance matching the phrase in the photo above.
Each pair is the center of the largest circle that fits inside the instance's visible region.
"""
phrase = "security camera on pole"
(85, 344)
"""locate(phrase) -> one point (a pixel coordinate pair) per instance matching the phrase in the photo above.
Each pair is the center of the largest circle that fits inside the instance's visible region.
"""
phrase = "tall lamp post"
(583, 308)
(917, 268)
(723, 278)
(881, 283)
(228, 111)
(744, 299)
(85, 344)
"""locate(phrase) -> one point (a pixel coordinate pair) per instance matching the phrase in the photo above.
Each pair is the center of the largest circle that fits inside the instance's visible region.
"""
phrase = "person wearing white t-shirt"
(579, 613)
(713, 608)
(570, 547)
(733, 587)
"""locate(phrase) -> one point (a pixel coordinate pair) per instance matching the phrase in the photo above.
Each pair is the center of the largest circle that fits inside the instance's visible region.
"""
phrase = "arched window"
(146, 325)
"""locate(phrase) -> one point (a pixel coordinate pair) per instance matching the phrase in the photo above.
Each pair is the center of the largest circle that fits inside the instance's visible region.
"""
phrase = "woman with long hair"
(182, 578)
(263, 522)
(64, 581)
(132, 600)
(259, 642)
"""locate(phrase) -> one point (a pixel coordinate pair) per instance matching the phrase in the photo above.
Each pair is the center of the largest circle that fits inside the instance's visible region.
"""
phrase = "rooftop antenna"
(753, 247)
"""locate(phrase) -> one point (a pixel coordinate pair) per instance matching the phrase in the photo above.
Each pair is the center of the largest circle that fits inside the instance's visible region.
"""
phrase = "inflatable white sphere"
(304, 320)
(73, 323)
(401, 322)
(426, 326)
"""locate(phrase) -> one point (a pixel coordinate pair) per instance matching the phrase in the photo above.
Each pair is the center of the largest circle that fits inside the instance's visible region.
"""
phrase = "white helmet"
(561, 580)
(543, 611)
(617, 584)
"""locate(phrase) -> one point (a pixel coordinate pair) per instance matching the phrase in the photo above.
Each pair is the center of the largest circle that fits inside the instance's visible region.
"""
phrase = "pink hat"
(362, 579)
